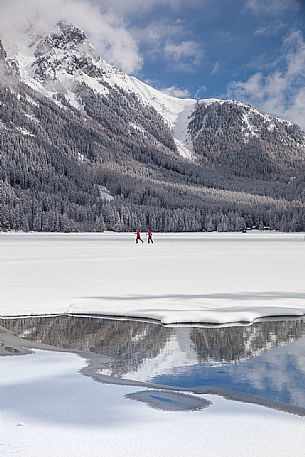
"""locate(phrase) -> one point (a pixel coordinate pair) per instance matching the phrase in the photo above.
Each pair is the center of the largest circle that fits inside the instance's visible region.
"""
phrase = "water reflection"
(234, 344)
(169, 401)
(266, 359)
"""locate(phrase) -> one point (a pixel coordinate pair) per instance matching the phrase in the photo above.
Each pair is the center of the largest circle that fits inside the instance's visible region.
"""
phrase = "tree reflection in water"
(264, 359)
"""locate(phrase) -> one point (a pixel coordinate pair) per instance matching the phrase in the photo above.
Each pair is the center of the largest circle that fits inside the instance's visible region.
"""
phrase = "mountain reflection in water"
(266, 359)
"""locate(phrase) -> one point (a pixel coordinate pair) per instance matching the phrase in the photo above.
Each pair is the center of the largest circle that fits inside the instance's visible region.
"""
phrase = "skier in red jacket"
(138, 236)
(149, 237)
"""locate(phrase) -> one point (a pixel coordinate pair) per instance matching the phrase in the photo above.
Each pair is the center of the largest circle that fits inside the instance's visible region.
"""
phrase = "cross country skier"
(138, 236)
(149, 237)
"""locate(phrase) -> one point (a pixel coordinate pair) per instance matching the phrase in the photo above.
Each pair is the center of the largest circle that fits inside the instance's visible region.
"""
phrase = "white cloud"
(185, 49)
(201, 90)
(184, 55)
(107, 30)
(128, 8)
(215, 68)
(176, 92)
(272, 7)
(162, 38)
(281, 92)
(158, 31)
(269, 30)
(155, 35)
(110, 25)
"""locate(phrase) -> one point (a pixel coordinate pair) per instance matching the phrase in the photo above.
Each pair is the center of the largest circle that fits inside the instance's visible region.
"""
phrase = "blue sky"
(251, 50)
(224, 41)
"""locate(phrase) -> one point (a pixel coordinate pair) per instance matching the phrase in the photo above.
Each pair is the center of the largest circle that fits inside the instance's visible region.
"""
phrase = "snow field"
(49, 408)
(214, 278)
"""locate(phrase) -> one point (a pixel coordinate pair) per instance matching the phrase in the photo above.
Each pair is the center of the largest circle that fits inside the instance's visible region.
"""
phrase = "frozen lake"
(198, 277)
(71, 384)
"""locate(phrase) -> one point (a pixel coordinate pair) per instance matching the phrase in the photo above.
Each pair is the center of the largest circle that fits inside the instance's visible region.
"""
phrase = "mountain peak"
(72, 33)
(63, 35)
(67, 50)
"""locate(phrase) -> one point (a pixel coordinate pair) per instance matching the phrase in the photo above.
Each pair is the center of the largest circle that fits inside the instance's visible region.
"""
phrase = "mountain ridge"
(168, 163)
(68, 52)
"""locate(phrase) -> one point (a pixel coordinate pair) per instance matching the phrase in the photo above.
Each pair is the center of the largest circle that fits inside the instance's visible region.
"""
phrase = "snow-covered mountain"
(59, 62)
(84, 123)
(65, 59)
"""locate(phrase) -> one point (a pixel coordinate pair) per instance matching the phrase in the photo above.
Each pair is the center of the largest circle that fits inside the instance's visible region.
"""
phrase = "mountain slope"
(254, 143)
(72, 125)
